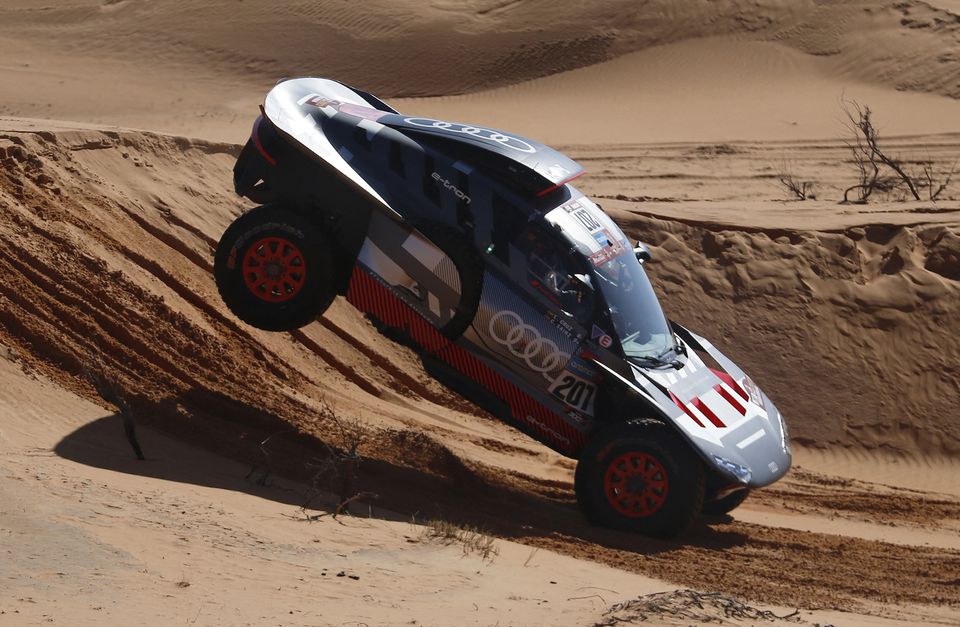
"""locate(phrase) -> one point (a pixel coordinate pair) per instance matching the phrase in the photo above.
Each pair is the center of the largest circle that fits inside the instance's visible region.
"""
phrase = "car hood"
(733, 425)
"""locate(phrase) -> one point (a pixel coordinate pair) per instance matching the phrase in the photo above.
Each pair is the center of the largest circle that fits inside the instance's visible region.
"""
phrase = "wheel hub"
(274, 269)
(636, 484)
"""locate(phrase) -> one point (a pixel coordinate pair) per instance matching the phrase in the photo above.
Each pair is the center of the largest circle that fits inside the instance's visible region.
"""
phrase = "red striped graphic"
(706, 411)
(685, 409)
(723, 376)
(723, 392)
(370, 295)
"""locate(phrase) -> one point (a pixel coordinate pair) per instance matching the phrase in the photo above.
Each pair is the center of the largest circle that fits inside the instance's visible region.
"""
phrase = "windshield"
(637, 318)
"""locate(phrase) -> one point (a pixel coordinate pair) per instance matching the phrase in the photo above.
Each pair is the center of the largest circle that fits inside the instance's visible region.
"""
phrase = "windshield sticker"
(583, 216)
(601, 337)
(608, 253)
(575, 392)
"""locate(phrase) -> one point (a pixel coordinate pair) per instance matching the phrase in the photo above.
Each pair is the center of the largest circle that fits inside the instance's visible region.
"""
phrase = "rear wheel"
(274, 269)
(640, 476)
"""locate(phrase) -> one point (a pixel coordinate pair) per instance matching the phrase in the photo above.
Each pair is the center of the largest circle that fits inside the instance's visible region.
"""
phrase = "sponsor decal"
(544, 428)
(582, 369)
(578, 418)
(564, 326)
(604, 238)
(525, 342)
(601, 337)
(486, 134)
(318, 101)
(450, 187)
(359, 111)
(575, 392)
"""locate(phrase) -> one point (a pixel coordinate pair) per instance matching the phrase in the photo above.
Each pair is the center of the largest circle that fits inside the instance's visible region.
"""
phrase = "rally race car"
(519, 292)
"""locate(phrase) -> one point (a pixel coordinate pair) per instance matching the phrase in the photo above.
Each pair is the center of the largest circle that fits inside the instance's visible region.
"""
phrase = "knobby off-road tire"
(640, 476)
(274, 269)
(725, 505)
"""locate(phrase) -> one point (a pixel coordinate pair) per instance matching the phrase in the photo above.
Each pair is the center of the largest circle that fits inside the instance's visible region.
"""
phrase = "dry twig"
(111, 391)
(689, 605)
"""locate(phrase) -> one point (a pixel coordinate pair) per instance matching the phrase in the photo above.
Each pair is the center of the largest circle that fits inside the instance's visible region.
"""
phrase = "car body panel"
(544, 343)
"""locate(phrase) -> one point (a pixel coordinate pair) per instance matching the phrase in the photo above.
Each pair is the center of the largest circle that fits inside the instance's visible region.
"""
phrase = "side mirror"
(642, 252)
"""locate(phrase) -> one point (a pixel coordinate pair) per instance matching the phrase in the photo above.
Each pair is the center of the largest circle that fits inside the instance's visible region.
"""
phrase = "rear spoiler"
(520, 163)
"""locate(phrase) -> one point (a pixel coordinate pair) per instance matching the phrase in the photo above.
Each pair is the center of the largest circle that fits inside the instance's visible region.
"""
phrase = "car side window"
(552, 270)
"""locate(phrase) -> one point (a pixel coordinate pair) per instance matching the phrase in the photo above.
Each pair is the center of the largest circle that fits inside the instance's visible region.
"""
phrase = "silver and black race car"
(519, 292)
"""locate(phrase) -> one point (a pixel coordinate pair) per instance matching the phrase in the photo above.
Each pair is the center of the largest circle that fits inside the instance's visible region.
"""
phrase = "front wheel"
(274, 269)
(640, 476)
(726, 504)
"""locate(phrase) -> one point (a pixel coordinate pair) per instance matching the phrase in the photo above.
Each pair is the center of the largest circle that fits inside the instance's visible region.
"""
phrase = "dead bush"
(881, 172)
(470, 539)
(799, 189)
(336, 471)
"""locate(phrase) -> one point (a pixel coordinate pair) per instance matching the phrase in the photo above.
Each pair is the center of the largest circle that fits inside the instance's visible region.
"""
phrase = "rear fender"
(252, 170)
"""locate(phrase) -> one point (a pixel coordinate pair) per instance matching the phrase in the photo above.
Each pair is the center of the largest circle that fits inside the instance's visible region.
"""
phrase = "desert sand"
(119, 125)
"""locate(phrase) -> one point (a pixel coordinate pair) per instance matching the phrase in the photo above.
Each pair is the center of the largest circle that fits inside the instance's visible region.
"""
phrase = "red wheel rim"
(274, 269)
(636, 484)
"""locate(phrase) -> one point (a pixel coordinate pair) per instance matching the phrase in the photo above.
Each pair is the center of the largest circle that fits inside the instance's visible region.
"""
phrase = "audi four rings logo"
(509, 141)
(525, 342)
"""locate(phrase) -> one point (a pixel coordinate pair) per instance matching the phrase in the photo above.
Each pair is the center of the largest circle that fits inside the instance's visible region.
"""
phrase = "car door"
(532, 315)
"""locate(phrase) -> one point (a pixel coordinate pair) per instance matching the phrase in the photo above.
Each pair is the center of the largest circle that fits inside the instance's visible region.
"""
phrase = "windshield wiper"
(647, 360)
(658, 360)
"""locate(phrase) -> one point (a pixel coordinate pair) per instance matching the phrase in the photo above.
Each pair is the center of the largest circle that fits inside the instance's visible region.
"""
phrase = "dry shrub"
(472, 540)
(880, 172)
(336, 471)
(686, 606)
(799, 189)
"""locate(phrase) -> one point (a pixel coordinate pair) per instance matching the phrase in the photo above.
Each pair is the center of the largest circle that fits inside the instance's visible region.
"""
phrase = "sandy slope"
(89, 535)
(106, 248)
(685, 114)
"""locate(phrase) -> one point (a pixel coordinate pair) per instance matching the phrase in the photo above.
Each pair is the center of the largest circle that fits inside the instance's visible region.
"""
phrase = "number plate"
(575, 392)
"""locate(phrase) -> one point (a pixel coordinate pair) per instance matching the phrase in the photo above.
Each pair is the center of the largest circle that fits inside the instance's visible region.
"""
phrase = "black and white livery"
(471, 245)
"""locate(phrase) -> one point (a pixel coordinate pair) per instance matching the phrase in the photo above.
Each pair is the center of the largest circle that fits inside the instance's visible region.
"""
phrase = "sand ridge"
(119, 125)
(189, 369)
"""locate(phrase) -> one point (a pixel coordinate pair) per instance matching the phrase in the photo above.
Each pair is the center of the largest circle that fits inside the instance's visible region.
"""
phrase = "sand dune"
(684, 113)
(107, 246)
(716, 89)
(669, 71)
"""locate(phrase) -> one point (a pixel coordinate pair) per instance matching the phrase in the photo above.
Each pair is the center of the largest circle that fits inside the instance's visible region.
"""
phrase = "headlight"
(742, 473)
(753, 392)
(784, 435)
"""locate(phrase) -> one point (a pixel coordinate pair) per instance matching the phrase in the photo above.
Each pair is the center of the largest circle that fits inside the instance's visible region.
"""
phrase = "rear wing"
(517, 161)
(522, 164)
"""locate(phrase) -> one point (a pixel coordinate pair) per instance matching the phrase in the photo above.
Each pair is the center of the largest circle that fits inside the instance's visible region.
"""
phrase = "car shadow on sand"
(230, 458)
